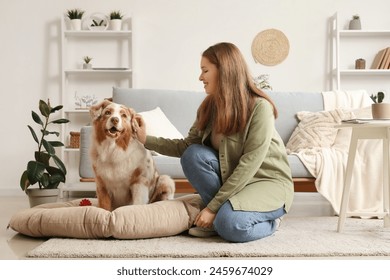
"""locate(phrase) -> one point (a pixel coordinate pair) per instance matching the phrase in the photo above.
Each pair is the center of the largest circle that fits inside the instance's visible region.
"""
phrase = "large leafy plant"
(39, 170)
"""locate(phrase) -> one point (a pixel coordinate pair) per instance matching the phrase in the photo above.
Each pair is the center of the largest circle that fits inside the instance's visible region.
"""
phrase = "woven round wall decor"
(270, 47)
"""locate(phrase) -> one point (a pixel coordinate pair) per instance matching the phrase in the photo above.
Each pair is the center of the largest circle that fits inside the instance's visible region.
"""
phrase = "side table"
(366, 130)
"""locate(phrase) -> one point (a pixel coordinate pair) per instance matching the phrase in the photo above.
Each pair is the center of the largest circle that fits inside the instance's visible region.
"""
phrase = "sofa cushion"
(298, 169)
(169, 165)
(172, 166)
(288, 104)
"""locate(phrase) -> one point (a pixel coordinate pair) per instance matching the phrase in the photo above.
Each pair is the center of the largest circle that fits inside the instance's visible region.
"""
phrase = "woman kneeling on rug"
(233, 155)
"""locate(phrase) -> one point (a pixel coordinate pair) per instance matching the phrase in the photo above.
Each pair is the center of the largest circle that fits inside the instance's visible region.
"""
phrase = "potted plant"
(116, 20)
(261, 82)
(355, 23)
(379, 109)
(75, 16)
(40, 170)
(87, 61)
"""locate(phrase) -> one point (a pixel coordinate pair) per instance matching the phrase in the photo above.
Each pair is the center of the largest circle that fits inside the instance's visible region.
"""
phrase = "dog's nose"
(114, 120)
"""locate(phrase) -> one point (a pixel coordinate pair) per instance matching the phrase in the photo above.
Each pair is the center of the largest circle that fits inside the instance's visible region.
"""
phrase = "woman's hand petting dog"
(141, 130)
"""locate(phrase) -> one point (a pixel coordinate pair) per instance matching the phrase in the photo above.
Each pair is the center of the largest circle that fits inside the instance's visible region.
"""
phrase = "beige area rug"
(297, 237)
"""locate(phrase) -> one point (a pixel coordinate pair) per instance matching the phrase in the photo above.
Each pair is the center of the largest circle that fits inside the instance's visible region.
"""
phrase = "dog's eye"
(107, 113)
(124, 116)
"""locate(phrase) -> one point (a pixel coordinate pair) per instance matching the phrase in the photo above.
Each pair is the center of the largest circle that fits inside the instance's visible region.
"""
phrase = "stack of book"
(382, 59)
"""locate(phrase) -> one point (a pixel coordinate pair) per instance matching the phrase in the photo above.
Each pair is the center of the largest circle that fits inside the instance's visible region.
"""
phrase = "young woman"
(232, 156)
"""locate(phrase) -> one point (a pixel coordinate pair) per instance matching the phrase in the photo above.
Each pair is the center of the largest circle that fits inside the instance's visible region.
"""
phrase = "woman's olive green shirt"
(255, 173)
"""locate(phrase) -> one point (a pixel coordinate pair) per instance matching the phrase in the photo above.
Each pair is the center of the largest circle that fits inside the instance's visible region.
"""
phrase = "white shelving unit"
(111, 53)
(349, 45)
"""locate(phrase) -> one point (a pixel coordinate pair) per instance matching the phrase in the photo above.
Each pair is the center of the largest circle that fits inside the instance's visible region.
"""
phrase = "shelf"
(365, 72)
(351, 44)
(92, 71)
(89, 33)
(76, 111)
(115, 49)
(363, 33)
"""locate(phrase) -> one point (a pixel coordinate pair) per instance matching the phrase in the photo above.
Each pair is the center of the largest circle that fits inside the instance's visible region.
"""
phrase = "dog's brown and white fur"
(124, 170)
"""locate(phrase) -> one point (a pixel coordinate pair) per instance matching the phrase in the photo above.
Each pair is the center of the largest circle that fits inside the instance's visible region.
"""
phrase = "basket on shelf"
(74, 139)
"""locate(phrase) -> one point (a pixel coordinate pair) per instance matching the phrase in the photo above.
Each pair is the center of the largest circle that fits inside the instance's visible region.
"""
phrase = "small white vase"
(75, 24)
(87, 66)
(116, 24)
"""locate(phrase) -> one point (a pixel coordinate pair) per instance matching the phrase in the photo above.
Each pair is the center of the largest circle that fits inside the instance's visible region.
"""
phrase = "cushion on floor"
(69, 219)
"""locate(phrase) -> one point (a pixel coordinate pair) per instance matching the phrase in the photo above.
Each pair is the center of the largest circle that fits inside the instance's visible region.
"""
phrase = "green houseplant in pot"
(379, 109)
(116, 20)
(87, 64)
(75, 16)
(47, 170)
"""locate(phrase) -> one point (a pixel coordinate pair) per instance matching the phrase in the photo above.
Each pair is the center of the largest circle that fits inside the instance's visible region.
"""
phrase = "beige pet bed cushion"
(68, 219)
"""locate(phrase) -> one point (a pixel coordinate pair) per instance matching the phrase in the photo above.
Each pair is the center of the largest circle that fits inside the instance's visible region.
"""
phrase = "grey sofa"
(180, 107)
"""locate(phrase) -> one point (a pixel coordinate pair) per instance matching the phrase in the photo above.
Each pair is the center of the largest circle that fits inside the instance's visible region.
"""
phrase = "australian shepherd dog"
(124, 169)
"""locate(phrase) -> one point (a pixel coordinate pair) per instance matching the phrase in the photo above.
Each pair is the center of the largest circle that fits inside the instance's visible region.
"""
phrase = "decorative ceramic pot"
(355, 24)
(75, 24)
(380, 111)
(116, 24)
(87, 66)
(360, 63)
(38, 196)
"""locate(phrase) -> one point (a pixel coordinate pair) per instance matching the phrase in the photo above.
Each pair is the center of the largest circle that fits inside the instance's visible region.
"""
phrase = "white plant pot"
(38, 196)
(75, 24)
(87, 66)
(116, 24)
(380, 111)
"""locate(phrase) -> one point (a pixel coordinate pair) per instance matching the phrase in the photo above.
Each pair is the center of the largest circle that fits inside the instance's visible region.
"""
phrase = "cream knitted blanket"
(328, 164)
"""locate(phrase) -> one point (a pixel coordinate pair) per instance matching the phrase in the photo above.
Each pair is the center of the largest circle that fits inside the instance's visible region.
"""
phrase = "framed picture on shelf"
(84, 102)
(96, 22)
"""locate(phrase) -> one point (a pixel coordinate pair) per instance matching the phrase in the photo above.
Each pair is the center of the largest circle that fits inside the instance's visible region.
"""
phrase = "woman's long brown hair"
(231, 106)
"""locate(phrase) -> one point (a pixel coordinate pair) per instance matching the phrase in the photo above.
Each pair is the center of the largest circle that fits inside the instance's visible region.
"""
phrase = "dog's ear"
(96, 110)
(134, 120)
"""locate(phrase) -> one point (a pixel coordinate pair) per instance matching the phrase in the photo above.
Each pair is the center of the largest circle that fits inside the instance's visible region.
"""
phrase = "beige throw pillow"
(157, 124)
(316, 129)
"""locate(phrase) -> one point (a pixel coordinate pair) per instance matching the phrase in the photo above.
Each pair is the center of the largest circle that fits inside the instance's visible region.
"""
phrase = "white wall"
(169, 36)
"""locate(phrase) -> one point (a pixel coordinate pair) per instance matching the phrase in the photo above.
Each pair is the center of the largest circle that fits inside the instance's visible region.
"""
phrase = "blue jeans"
(201, 167)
